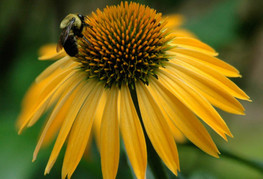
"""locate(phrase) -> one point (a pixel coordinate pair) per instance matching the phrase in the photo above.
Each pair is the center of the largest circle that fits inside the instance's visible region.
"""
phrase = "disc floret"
(123, 44)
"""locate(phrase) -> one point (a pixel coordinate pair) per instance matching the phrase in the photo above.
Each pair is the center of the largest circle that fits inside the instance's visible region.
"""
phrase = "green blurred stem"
(154, 160)
(257, 165)
(251, 163)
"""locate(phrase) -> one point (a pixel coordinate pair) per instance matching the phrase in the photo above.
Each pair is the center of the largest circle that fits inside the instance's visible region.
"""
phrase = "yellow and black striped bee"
(72, 26)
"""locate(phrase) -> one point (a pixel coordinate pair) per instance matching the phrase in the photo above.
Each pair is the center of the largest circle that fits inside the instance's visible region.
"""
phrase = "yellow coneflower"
(131, 48)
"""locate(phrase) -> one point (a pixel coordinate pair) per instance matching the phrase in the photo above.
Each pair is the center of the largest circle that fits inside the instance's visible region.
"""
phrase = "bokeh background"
(233, 27)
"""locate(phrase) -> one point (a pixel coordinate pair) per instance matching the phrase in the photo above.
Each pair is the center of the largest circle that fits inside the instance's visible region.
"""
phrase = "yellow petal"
(214, 93)
(37, 89)
(49, 87)
(193, 44)
(32, 93)
(58, 114)
(195, 102)
(84, 90)
(48, 52)
(98, 117)
(177, 134)
(109, 138)
(57, 94)
(87, 153)
(183, 118)
(207, 60)
(179, 33)
(51, 95)
(132, 134)
(58, 65)
(174, 20)
(157, 128)
(80, 132)
(61, 93)
(54, 122)
(183, 33)
(213, 75)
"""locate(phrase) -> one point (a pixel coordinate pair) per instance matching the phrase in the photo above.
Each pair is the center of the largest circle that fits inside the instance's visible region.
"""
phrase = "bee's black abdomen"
(72, 26)
(70, 46)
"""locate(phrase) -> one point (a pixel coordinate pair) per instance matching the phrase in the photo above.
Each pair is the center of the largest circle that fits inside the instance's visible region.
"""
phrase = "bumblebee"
(72, 26)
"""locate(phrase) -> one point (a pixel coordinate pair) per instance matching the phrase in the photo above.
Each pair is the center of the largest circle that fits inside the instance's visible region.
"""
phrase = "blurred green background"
(233, 27)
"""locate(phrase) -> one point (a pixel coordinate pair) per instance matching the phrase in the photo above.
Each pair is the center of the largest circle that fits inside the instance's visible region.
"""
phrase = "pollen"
(123, 44)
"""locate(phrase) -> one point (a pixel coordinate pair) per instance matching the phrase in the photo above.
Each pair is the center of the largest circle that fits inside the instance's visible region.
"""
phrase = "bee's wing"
(59, 45)
(64, 35)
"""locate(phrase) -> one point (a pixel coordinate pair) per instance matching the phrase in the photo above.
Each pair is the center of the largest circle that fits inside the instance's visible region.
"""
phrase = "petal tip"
(242, 114)
(217, 155)
(20, 131)
(249, 100)
(48, 168)
(46, 172)
(41, 58)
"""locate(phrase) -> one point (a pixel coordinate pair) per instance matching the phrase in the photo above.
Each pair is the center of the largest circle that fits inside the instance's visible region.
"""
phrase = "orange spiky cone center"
(123, 44)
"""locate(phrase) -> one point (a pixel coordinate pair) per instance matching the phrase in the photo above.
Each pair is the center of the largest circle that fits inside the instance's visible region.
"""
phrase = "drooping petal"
(35, 91)
(59, 113)
(53, 95)
(206, 60)
(45, 78)
(48, 52)
(174, 20)
(180, 33)
(213, 92)
(177, 134)
(109, 136)
(213, 75)
(59, 94)
(132, 133)
(55, 67)
(195, 102)
(98, 117)
(183, 118)
(84, 90)
(80, 132)
(54, 122)
(59, 90)
(193, 44)
(87, 153)
(157, 128)
(43, 97)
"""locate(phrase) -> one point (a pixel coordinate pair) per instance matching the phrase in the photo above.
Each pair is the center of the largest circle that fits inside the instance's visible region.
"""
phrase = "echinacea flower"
(177, 79)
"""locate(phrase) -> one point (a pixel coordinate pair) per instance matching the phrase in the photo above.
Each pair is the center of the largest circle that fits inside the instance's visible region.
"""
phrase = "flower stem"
(154, 160)
(251, 163)
(257, 165)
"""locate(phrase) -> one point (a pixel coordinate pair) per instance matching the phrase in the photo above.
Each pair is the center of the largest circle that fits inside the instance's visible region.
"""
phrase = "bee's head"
(81, 17)
(76, 19)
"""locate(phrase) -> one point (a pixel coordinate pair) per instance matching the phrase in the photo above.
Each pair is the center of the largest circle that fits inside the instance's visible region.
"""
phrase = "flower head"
(177, 78)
